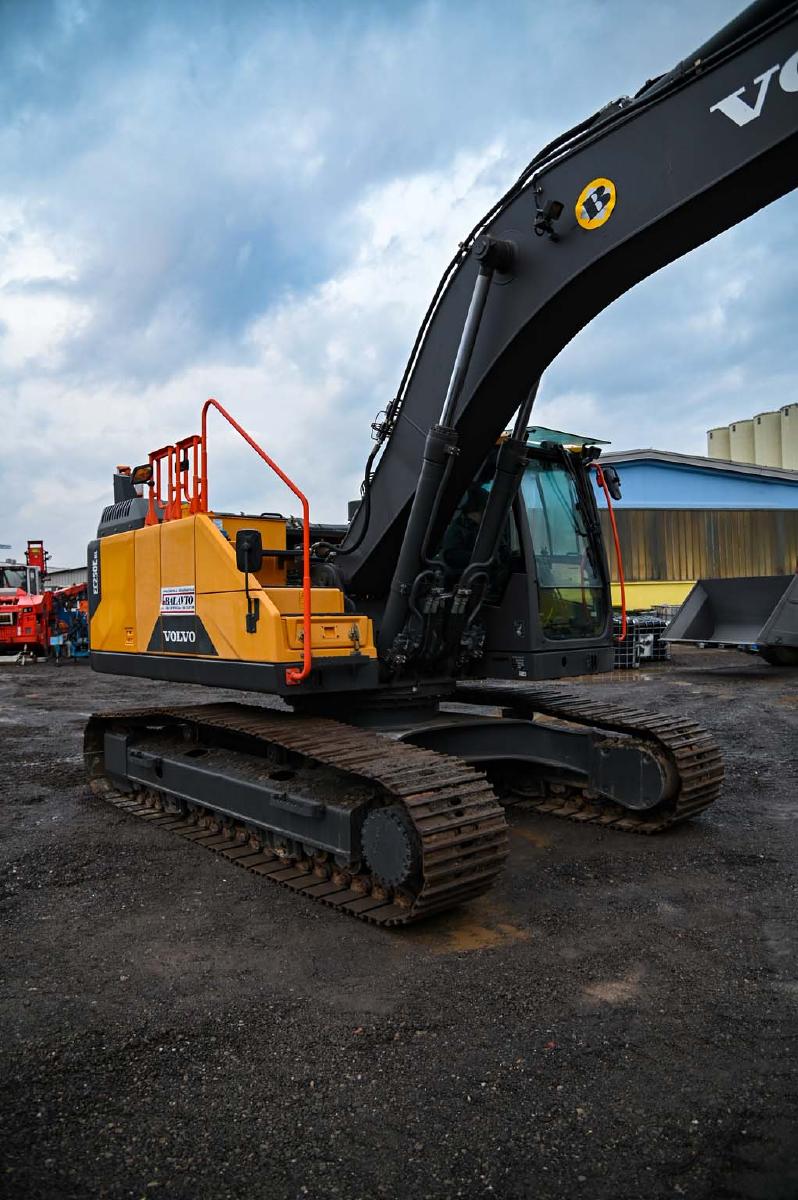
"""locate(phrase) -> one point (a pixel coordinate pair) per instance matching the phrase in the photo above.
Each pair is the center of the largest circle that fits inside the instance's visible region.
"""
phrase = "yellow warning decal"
(595, 204)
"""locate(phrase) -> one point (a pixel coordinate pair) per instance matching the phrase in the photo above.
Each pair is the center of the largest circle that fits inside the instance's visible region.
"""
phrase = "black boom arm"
(627, 192)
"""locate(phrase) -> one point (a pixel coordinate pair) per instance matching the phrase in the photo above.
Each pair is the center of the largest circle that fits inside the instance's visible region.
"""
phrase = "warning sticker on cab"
(177, 600)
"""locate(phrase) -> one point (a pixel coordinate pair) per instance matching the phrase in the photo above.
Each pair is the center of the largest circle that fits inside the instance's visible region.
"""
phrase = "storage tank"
(789, 437)
(767, 439)
(719, 443)
(741, 438)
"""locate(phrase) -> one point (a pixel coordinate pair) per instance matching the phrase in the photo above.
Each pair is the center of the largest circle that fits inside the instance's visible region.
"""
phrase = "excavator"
(418, 652)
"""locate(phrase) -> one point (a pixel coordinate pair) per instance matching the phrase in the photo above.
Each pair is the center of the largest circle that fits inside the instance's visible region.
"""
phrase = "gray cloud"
(256, 200)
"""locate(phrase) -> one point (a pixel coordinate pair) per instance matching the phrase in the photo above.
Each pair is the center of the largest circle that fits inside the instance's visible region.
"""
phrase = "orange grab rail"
(160, 502)
(172, 469)
(601, 481)
(292, 674)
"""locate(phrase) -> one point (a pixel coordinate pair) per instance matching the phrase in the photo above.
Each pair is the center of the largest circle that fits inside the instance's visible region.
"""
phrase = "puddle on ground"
(541, 840)
(470, 935)
(614, 678)
(460, 932)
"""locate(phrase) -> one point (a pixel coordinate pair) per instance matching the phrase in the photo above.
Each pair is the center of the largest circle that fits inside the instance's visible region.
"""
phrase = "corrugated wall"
(675, 544)
(66, 576)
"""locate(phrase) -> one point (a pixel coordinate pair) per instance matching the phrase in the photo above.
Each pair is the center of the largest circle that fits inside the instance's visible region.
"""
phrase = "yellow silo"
(767, 439)
(741, 438)
(718, 442)
(789, 437)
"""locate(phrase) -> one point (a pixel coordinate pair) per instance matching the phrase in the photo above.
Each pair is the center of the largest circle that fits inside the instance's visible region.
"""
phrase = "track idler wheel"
(390, 846)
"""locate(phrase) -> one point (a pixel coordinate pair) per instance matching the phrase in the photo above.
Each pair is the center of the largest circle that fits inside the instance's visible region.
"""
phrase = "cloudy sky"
(255, 201)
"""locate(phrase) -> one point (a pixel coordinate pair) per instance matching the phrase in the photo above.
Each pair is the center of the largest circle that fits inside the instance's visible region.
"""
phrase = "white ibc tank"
(789, 437)
(741, 438)
(767, 439)
(718, 442)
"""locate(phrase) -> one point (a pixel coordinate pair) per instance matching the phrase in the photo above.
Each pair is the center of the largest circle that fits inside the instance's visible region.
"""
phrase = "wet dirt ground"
(618, 1019)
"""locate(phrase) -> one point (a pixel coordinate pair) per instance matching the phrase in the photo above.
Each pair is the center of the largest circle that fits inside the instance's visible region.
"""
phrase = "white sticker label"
(177, 600)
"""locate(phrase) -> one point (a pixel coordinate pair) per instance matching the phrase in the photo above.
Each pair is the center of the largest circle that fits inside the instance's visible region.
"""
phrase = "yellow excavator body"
(174, 588)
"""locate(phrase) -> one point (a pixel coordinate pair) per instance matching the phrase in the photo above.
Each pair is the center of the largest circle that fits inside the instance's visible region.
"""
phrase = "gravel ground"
(617, 1019)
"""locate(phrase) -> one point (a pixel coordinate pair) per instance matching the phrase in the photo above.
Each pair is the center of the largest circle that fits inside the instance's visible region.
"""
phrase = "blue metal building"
(684, 517)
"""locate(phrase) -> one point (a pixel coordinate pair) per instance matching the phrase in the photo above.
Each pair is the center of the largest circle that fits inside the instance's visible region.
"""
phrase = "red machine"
(25, 607)
(33, 619)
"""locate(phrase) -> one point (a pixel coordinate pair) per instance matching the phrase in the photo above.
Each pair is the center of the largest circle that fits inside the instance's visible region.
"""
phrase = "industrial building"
(684, 517)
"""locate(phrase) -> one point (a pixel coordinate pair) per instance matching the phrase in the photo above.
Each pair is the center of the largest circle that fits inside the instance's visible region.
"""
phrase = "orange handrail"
(292, 675)
(187, 468)
(159, 501)
(601, 481)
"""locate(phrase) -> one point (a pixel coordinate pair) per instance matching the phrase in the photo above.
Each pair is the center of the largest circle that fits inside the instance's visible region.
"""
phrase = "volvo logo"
(179, 635)
(740, 111)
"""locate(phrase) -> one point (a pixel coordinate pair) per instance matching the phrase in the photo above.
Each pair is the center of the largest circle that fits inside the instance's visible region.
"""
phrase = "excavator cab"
(547, 608)
(570, 570)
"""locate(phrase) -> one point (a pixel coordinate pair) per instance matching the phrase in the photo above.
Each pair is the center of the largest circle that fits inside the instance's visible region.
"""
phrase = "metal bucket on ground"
(758, 612)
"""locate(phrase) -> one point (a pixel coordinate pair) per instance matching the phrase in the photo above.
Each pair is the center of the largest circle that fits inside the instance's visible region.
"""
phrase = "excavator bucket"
(759, 611)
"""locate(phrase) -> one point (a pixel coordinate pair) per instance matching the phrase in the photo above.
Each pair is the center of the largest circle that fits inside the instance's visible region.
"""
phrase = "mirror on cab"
(249, 551)
(613, 482)
(142, 474)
